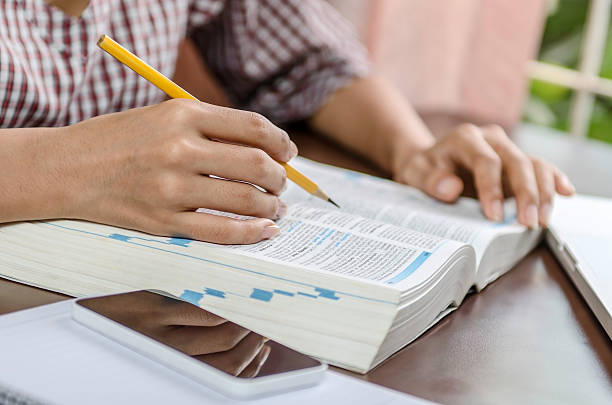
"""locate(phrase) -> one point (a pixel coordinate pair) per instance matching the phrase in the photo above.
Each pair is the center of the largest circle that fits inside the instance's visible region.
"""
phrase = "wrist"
(79, 171)
(59, 184)
(405, 146)
(35, 187)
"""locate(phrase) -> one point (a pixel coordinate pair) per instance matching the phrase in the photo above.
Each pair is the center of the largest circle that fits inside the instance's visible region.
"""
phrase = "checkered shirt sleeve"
(281, 58)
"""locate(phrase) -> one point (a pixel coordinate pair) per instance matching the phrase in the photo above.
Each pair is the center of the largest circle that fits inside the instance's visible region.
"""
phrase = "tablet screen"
(198, 333)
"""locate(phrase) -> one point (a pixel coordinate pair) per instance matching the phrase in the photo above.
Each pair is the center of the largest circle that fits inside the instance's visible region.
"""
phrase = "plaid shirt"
(281, 58)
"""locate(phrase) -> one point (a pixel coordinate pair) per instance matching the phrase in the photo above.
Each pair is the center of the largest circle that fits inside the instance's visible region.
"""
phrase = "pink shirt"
(281, 58)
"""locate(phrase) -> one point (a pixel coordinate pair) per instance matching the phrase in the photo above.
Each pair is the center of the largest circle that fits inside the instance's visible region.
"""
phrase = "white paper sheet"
(45, 354)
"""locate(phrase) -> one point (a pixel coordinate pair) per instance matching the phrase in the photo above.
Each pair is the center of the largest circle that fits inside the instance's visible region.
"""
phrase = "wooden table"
(527, 338)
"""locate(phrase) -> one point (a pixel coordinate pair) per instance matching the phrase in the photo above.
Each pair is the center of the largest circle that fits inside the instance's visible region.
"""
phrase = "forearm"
(372, 118)
(33, 182)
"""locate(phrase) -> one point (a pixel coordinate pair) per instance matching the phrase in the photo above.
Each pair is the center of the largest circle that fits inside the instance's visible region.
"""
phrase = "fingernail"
(568, 184)
(497, 210)
(270, 231)
(281, 211)
(531, 216)
(545, 211)
(445, 187)
(293, 150)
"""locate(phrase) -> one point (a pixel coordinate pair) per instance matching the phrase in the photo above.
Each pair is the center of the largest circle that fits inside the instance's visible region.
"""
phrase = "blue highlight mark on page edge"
(411, 268)
(259, 294)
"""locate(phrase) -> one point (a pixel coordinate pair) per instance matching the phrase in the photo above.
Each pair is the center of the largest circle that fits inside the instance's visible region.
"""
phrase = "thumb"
(443, 185)
(434, 178)
(437, 182)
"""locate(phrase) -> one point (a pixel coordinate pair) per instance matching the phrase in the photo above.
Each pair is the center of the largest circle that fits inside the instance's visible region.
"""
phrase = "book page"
(392, 203)
(350, 245)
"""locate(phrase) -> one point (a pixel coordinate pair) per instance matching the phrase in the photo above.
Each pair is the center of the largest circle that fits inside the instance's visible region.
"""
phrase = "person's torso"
(52, 73)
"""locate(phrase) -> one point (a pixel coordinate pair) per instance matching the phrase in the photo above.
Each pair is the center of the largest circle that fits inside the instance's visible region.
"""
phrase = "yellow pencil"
(175, 91)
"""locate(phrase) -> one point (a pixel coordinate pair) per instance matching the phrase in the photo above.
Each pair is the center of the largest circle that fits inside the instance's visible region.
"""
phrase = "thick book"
(350, 286)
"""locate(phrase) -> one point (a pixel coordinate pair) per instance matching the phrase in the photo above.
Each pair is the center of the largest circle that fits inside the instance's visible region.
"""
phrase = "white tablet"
(230, 359)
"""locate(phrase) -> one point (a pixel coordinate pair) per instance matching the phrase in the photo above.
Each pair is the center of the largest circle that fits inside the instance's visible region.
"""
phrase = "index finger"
(521, 174)
(474, 153)
(246, 128)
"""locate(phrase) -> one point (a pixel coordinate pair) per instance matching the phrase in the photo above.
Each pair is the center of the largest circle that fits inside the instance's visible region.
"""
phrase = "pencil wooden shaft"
(301, 180)
(173, 90)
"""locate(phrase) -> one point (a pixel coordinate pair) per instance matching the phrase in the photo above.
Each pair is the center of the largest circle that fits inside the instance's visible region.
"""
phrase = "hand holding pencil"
(173, 90)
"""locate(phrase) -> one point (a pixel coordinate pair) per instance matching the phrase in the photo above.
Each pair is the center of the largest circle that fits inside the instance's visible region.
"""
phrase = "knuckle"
(180, 103)
(283, 180)
(466, 127)
(168, 188)
(529, 193)
(248, 197)
(521, 159)
(466, 131)
(495, 192)
(413, 172)
(546, 196)
(275, 177)
(177, 150)
(177, 109)
(539, 163)
(495, 131)
(274, 207)
(423, 162)
(267, 208)
(555, 170)
(285, 139)
(488, 162)
(258, 125)
(259, 162)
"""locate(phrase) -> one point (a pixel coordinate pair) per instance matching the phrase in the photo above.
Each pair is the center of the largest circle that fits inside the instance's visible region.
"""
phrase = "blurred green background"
(548, 104)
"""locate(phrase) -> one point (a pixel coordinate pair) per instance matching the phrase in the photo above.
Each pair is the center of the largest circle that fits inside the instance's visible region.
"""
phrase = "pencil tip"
(332, 201)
